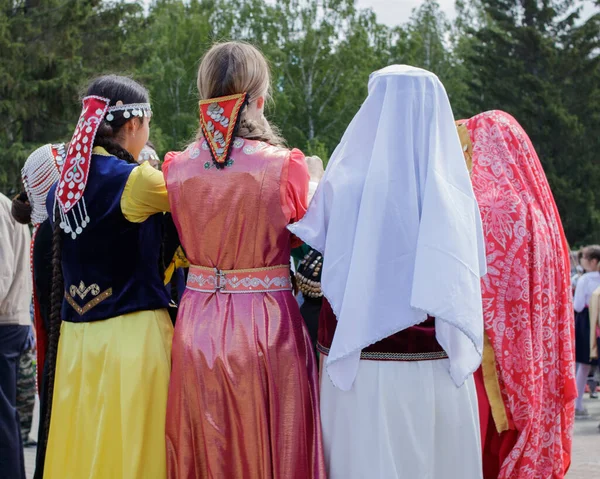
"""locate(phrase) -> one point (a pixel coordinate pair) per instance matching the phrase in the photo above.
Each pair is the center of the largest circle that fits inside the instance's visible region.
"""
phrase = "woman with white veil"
(399, 228)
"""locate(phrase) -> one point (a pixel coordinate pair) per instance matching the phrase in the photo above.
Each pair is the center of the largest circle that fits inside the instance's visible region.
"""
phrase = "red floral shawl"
(527, 299)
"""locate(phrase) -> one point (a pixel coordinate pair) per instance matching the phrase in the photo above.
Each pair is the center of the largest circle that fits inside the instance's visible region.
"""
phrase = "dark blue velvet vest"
(112, 267)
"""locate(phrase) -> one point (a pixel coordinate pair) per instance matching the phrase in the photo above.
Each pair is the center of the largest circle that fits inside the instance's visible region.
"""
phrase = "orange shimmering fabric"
(243, 399)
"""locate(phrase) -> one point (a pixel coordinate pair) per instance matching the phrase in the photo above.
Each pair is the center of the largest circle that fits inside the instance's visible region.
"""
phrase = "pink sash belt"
(255, 280)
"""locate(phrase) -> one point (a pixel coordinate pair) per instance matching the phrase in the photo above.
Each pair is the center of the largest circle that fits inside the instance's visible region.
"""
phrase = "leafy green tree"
(176, 35)
(49, 49)
(536, 59)
(326, 51)
(321, 55)
(520, 59)
(427, 41)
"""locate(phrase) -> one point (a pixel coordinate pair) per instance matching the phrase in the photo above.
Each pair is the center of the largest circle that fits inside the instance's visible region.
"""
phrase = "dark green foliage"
(536, 59)
(49, 49)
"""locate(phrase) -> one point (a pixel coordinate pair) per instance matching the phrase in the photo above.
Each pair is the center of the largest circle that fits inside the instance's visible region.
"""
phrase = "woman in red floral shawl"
(526, 385)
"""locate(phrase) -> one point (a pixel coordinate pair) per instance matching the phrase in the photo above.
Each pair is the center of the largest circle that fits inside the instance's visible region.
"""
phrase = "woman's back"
(235, 218)
(112, 267)
(242, 397)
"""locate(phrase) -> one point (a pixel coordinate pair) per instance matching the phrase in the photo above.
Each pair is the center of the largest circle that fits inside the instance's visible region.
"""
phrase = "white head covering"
(147, 154)
(398, 225)
(39, 173)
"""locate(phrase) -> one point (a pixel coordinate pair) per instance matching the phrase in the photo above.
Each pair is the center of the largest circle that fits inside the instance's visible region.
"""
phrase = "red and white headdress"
(73, 179)
(219, 118)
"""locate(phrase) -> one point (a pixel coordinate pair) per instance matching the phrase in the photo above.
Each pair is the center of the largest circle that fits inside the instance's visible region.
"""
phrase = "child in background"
(586, 285)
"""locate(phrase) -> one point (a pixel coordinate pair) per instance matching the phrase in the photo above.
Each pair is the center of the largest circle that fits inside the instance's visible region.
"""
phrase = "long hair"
(56, 298)
(236, 67)
(116, 88)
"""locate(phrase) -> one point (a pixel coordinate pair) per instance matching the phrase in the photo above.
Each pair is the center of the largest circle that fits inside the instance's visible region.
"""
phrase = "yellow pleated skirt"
(110, 397)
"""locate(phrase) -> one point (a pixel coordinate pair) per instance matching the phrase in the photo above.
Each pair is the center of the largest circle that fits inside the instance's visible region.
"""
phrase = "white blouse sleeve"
(579, 299)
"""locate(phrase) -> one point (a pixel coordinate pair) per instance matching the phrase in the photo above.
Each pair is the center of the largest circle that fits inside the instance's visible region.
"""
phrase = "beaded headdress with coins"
(219, 120)
(74, 175)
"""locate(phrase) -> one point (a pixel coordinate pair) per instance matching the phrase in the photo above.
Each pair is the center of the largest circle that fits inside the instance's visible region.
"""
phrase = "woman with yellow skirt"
(110, 340)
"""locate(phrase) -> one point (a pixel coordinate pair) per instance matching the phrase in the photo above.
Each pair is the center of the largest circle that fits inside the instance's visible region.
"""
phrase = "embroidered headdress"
(74, 175)
(39, 173)
(219, 119)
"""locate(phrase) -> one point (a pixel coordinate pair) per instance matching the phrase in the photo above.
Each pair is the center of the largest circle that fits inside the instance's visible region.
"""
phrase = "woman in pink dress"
(243, 399)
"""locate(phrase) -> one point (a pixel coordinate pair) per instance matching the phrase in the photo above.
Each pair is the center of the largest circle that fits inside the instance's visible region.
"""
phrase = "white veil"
(398, 225)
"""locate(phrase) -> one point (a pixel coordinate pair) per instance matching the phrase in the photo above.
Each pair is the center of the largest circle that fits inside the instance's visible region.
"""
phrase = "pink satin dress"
(243, 398)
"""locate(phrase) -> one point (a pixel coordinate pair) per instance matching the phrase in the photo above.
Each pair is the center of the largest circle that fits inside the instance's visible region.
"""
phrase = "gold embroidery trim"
(492, 386)
(405, 357)
(90, 304)
(82, 290)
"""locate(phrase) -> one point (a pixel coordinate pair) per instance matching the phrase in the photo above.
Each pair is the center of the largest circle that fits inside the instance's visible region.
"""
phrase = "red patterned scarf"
(527, 300)
(74, 175)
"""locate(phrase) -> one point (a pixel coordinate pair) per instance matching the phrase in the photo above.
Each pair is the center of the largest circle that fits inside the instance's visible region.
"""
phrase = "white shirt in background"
(586, 285)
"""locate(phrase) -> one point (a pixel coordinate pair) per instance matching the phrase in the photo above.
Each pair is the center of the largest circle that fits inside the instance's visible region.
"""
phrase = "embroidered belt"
(375, 356)
(256, 280)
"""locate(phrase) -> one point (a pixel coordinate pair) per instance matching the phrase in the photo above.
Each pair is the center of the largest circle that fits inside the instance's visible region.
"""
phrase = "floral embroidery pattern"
(82, 291)
(528, 312)
(76, 166)
(236, 283)
(241, 282)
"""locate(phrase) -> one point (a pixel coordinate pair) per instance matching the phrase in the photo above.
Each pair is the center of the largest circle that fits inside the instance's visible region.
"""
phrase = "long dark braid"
(105, 137)
(56, 299)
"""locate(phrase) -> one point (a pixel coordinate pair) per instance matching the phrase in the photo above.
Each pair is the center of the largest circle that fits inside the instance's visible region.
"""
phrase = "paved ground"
(29, 461)
(586, 447)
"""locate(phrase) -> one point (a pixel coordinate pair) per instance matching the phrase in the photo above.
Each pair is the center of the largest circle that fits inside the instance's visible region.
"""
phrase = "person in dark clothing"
(308, 279)
(42, 275)
(15, 324)
(40, 171)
